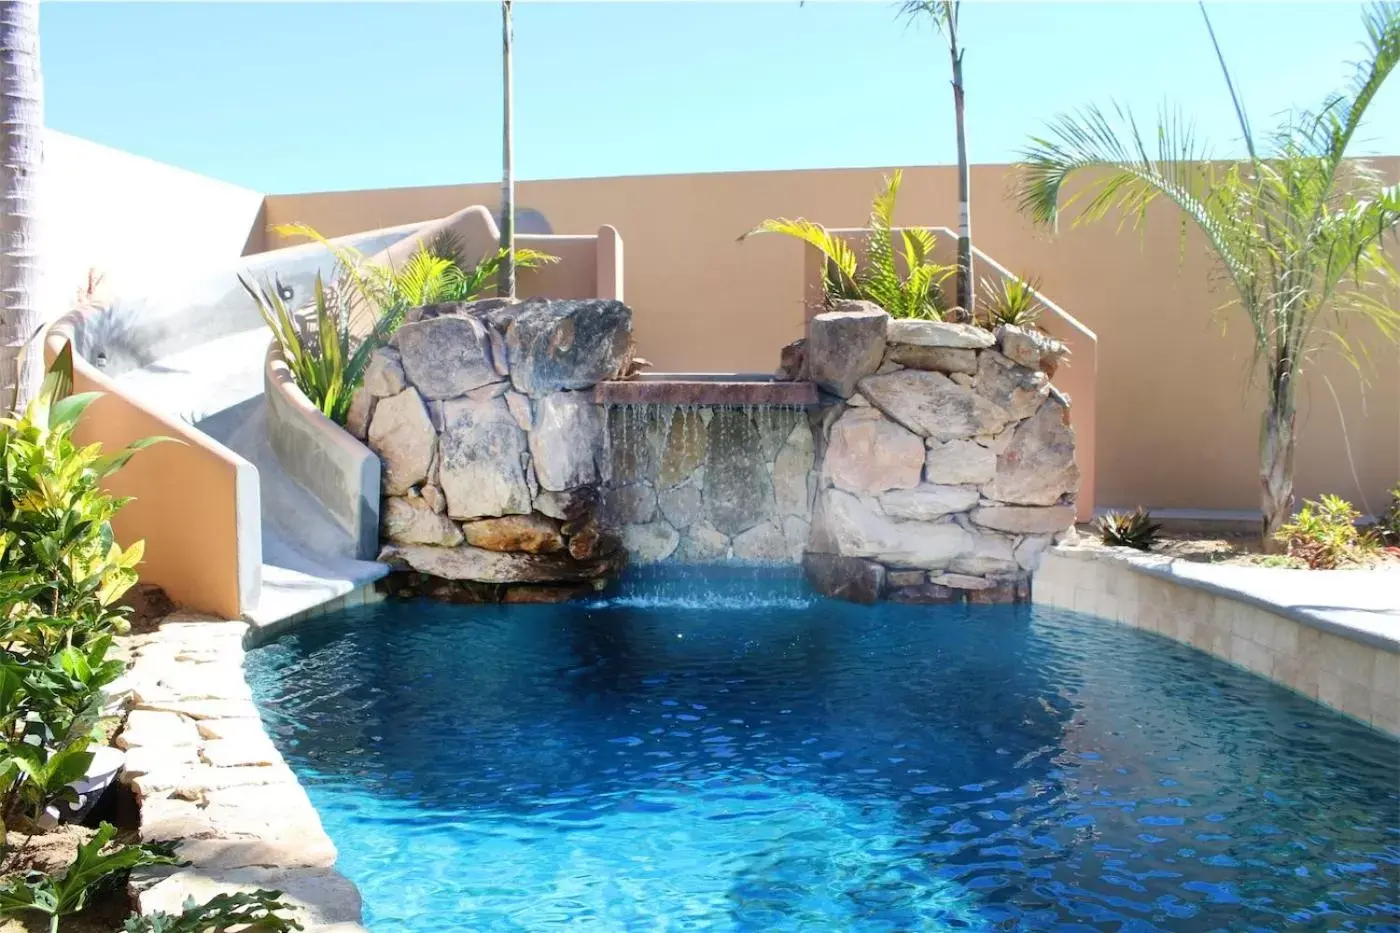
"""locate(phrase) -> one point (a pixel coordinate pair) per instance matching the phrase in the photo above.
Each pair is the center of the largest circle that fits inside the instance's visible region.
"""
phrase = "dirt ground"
(51, 853)
(1238, 546)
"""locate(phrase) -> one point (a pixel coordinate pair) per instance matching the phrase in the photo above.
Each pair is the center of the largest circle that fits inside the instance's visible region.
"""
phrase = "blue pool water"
(725, 754)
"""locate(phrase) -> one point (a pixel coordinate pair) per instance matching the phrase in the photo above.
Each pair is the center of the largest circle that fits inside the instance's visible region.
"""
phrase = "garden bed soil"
(51, 853)
(1232, 544)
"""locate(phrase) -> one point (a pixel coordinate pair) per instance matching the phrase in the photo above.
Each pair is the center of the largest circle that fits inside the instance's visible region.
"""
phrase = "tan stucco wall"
(1177, 421)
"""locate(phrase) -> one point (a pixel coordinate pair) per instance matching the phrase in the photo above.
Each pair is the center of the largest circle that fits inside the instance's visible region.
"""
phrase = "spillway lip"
(705, 389)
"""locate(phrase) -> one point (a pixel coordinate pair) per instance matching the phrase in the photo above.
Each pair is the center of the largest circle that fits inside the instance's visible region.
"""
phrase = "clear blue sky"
(324, 96)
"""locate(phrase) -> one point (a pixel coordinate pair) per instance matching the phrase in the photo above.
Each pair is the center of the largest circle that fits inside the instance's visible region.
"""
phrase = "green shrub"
(247, 912)
(61, 575)
(329, 363)
(913, 295)
(1133, 529)
(1324, 534)
(92, 868)
(1010, 301)
(1390, 519)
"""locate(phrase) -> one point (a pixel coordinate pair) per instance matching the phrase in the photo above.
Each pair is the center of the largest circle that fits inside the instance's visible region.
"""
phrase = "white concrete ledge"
(1333, 636)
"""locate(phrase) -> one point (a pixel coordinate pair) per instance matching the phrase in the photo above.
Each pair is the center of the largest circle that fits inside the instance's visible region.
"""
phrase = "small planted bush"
(247, 912)
(1010, 301)
(1390, 519)
(912, 294)
(1133, 529)
(1324, 535)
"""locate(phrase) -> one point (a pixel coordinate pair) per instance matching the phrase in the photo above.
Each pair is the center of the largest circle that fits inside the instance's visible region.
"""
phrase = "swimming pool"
(725, 752)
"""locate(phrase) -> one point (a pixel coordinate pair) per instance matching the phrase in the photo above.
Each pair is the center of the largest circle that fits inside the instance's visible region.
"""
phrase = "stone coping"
(705, 389)
(205, 773)
(1358, 605)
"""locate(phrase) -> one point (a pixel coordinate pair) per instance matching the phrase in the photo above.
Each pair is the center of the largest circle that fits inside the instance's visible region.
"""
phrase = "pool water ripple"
(734, 755)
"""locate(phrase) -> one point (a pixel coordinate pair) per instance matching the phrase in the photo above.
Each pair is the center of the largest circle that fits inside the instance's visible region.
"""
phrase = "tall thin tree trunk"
(21, 150)
(966, 292)
(506, 286)
(1276, 445)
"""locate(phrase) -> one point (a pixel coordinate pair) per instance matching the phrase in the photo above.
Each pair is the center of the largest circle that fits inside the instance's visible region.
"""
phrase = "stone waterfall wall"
(945, 459)
(492, 448)
(699, 484)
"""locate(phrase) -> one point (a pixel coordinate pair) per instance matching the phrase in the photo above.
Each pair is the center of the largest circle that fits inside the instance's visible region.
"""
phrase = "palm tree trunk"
(21, 148)
(1276, 445)
(506, 285)
(966, 294)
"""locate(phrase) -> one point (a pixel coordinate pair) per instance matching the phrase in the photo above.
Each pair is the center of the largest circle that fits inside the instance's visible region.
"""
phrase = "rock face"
(566, 440)
(575, 344)
(845, 345)
(1038, 467)
(932, 405)
(731, 466)
(403, 437)
(493, 493)
(948, 471)
(867, 453)
(482, 469)
(446, 356)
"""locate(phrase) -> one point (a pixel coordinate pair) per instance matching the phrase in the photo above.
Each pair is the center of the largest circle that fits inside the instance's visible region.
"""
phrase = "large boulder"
(791, 469)
(445, 357)
(482, 469)
(650, 543)
(935, 359)
(566, 440)
(402, 434)
(681, 505)
(932, 405)
(1025, 519)
(921, 333)
(1030, 348)
(1037, 467)
(845, 525)
(702, 544)
(762, 544)
(414, 522)
(384, 373)
(1010, 385)
(844, 345)
(570, 344)
(482, 566)
(959, 461)
(849, 578)
(987, 554)
(733, 464)
(631, 504)
(533, 534)
(928, 502)
(869, 453)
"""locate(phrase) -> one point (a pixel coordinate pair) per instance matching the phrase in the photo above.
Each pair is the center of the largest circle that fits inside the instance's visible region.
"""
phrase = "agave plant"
(434, 273)
(1010, 300)
(328, 363)
(1298, 229)
(913, 295)
(1134, 529)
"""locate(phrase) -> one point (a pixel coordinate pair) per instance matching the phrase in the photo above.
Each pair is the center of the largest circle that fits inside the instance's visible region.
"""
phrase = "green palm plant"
(914, 294)
(328, 364)
(1298, 229)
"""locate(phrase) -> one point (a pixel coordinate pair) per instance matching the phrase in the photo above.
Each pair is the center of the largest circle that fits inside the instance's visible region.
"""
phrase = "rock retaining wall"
(945, 457)
(492, 447)
(698, 484)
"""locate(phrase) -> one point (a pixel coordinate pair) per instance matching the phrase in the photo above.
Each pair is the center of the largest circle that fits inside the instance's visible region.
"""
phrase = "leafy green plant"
(1010, 300)
(1324, 534)
(245, 911)
(435, 272)
(330, 365)
(1298, 230)
(1134, 529)
(66, 894)
(61, 576)
(914, 294)
(1389, 522)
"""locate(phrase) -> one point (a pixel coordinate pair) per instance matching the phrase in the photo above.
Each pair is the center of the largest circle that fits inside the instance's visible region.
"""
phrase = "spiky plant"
(1134, 529)
(1297, 228)
(912, 295)
(1324, 534)
(1010, 300)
